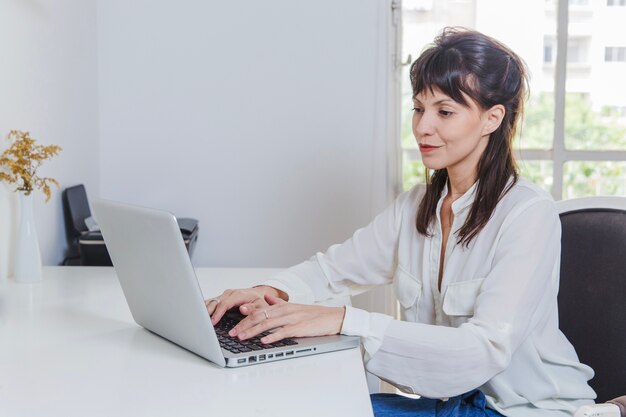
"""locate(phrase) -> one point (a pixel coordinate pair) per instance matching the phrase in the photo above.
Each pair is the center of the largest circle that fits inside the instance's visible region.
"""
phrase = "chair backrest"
(592, 295)
(75, 211)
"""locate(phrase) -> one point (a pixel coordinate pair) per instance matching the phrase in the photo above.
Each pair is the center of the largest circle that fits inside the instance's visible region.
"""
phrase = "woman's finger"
(249, 308)
(271, 300)
(264, 314)
(211, 304)
(280, 334)
(249, 297)
(258, 322)
(228, 300)
(292, 320)
(225, 304)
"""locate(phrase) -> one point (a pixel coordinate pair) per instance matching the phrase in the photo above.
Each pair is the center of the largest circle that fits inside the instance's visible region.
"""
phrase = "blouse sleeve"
(367, 259)
(516, 295)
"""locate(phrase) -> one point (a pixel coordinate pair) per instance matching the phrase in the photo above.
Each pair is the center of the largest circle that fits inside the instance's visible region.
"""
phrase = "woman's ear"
(493, 119)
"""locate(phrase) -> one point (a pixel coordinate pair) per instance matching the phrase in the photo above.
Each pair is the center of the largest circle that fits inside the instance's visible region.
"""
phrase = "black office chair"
(592, 296)
(87, 247)
(75, 211)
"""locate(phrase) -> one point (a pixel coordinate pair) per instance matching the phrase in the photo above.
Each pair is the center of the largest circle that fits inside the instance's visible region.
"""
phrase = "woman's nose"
(423, 124)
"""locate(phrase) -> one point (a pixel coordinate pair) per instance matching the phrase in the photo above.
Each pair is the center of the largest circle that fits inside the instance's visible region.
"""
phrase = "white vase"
(27, 264)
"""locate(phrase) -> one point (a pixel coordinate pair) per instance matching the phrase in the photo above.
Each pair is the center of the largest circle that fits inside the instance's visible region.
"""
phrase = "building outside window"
(549, 51)
(573, 139)
(616, 2)
(615, 54)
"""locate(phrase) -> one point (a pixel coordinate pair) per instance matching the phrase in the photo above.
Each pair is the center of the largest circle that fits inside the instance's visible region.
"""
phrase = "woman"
(473, 258)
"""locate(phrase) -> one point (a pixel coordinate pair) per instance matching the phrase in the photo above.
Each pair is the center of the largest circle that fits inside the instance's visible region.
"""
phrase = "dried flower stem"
(22, 160)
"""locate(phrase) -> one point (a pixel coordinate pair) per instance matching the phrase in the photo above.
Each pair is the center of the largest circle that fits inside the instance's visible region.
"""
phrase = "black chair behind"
(592, 296)
(75, 211)
(87, 247)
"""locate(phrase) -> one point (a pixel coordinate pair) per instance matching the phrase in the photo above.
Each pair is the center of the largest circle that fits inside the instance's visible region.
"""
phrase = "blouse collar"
(460, 203)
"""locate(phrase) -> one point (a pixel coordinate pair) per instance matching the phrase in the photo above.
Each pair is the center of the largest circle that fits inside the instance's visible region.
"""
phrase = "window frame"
(559, 155)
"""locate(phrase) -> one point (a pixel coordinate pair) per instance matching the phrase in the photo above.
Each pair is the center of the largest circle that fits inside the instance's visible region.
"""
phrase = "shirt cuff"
(371, 327)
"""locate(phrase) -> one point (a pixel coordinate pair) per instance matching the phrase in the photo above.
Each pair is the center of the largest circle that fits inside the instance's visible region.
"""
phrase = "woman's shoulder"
(525, 194)
(412, 197)
(526, 189)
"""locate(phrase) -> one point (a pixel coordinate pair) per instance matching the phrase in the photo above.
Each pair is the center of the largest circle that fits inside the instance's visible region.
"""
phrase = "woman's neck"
(459, 184)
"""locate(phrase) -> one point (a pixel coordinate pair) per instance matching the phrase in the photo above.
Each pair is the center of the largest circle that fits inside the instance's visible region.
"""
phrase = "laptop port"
(242, 360)
(270, 356)
(252, 359)
(303, 350)
(290, 353)
(261, 358)
(280, 355)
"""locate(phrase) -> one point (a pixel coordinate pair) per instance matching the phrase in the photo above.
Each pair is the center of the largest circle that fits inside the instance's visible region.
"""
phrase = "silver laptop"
(163, 294)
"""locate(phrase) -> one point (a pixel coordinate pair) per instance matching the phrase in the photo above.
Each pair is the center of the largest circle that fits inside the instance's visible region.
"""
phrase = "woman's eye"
(418, 110)
(445, 113)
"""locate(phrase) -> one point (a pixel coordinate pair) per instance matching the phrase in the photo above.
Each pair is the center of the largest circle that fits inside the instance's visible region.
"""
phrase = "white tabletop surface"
(69, 347)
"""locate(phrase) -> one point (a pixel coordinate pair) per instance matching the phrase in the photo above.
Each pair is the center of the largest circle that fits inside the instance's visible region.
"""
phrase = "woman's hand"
(247, 299)
(289, 320)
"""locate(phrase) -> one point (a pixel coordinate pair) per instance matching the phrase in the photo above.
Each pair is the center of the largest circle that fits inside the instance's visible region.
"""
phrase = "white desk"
(69, 347)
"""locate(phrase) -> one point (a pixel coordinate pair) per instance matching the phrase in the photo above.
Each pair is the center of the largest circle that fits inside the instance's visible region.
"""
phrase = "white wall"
(257, 118)
(48, 84)
(266, 121)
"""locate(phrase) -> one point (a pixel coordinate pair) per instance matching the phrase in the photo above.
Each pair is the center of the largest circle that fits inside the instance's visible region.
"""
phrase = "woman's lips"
(427, 148)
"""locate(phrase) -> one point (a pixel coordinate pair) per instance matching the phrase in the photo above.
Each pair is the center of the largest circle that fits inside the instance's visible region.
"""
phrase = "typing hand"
(289, 320)
(247, 299)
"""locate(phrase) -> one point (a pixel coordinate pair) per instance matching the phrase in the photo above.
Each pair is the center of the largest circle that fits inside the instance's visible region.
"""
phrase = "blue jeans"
(471, 404)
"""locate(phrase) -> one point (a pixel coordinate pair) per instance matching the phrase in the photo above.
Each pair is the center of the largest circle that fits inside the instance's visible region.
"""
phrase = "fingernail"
(244, 308)
(264, 340)
(241, 336)
(232, 332)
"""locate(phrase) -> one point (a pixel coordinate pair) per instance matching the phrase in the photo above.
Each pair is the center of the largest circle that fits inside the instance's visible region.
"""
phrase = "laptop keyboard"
(234, 345)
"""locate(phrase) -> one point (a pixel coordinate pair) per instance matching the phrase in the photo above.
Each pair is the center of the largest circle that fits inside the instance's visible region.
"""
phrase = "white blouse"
(493, 325)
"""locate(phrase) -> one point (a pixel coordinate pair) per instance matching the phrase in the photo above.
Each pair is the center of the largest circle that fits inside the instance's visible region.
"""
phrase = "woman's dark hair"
(465, 61)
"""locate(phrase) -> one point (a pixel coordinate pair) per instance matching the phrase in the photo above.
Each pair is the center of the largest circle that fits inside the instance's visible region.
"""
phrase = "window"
(548, 54)
(573, 140)
(418, 5)
(615, 54)
(549, 51)
(577, 50)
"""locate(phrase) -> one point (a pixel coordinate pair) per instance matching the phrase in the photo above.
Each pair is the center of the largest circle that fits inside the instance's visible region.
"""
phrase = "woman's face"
(449, 134)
